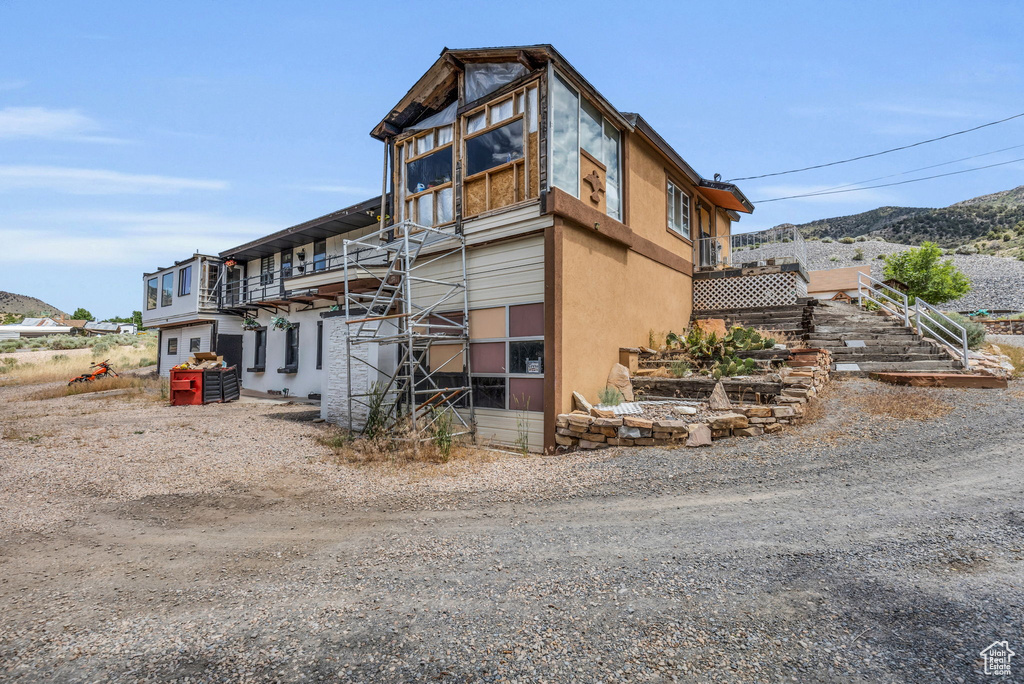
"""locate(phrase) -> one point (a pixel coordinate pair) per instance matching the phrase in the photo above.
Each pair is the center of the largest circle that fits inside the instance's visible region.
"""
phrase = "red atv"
(103, 370)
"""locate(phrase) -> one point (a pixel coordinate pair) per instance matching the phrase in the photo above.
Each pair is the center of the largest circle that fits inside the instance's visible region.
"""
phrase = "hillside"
(11, 303)
(990, 224)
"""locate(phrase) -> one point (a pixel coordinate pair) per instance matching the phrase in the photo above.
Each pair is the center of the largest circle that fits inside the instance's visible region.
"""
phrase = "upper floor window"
(319, 255)
(427, 166)
(678, 210)
(500, 146)
(167, 289)
(577, 124)
(185, 281)
(150, 294)
(286, 264)
(267, 270)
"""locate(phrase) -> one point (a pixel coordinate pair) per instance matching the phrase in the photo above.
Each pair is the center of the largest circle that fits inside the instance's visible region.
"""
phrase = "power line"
(922, 168)
(877, 154)
(886, 185)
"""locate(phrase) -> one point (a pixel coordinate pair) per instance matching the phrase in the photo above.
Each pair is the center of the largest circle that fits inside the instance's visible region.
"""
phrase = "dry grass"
(902, 403)
(781, 338)
(139, 384)
(61, 367)
(397, 451)
(1016, 355)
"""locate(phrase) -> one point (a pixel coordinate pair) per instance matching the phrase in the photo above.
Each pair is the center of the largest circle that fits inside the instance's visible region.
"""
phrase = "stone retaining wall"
(800, 384)
(1002, 327)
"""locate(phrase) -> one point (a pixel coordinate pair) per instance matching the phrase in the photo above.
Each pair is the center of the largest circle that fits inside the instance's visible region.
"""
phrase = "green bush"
(847, 240)
(858, 255)
(610, 396)
(826, 239)
(861, 238)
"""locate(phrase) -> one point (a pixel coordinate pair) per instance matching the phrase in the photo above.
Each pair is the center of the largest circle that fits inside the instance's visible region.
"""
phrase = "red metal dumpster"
(186, 387)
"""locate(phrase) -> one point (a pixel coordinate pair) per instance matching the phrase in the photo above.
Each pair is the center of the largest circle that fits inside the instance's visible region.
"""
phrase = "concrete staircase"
(862, 342)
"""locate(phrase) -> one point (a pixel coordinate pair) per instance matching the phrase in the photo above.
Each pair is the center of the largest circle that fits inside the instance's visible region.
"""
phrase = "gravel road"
(857, 548)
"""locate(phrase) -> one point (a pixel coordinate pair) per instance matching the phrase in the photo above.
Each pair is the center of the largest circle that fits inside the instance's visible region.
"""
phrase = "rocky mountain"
(989, 217)
(11, 303)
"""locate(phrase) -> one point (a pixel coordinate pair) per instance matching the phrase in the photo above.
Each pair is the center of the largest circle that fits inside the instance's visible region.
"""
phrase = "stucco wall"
(611, 297)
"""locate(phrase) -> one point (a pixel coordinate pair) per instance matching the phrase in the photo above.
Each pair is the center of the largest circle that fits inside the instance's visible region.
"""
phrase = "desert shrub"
(679, 369)
(610, 396)
(975, 331)
(858, 255)
(847, 240)
(8, 363)
(833, 258)
(826, 239)
(861, 238)
(443, 437)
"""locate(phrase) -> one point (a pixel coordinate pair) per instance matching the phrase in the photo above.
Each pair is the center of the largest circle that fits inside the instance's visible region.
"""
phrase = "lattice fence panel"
(766, 289)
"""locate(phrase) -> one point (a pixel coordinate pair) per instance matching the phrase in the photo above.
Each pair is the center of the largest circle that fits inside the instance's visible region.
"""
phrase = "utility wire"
(922, 168)
(886, 185)
(877, 154)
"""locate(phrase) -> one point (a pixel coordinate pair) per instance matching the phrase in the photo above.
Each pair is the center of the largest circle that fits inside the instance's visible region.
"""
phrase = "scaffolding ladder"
(390, 301)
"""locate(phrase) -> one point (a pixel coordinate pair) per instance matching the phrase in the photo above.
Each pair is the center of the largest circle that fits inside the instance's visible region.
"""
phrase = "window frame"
(259, 350)
(169, 341)
(319, 345)
(291, 349)
(196, 342)
(687, 232)
(604, 123)
(507, 375)
(166, 293)
(152, 303)
(319, 256)
(409, 198)
(185, 281)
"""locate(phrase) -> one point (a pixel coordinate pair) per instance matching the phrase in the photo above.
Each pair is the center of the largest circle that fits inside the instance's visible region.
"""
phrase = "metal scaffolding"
(391, 302)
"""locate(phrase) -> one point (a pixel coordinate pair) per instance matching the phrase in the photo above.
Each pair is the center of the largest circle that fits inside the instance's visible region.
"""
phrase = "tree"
(81, 315)
(933, 280)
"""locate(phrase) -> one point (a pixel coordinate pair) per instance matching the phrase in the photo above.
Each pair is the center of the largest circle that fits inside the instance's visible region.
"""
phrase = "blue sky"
(132, 134)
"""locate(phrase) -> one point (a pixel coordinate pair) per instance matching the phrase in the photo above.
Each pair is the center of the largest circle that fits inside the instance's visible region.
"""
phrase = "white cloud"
(12, 85)
(50, 124)
(97, 181)
(145, 240)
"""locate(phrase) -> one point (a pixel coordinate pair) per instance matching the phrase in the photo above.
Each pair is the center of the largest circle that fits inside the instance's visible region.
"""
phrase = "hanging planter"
(281, 323)
(249, 323)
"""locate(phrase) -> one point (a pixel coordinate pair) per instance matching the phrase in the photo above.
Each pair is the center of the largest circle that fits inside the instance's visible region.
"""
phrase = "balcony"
(772, 247)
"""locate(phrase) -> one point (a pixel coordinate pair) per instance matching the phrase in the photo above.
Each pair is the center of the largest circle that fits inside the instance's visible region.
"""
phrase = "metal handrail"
(873, 289)
(933, 318)
(898, 301)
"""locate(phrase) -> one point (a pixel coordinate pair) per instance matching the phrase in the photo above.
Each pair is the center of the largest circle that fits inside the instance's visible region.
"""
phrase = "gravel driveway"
(858, 548)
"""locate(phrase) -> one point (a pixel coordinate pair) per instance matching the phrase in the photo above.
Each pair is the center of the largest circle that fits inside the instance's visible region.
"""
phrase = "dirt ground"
(221, 543)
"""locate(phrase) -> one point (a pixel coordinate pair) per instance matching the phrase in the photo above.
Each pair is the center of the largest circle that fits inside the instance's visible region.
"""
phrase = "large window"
(577, 124)
(150, 294)
(167, 289)
(500, 142)
(678, 210)
(427, 191)
(506, 354)
(319, 255)
(185, 281)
